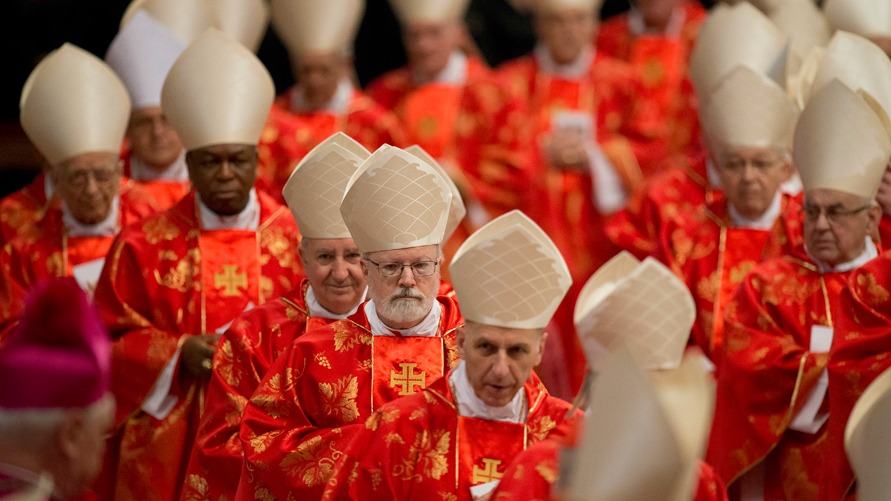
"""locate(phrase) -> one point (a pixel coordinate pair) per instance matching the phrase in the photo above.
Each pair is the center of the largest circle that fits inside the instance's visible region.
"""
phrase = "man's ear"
(69, 435)
(541, 346)
(460, 338)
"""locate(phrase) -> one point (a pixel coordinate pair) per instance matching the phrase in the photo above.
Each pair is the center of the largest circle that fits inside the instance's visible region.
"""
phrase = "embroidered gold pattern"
(339, 399)
(407, 379)
(488, 472)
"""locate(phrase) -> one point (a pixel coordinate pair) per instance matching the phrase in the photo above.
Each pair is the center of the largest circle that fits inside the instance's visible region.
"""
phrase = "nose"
(227, 170)
(92, 185)
(407, 277)
(749, 171)
(500, 367)
(822, 222)
(340, 270)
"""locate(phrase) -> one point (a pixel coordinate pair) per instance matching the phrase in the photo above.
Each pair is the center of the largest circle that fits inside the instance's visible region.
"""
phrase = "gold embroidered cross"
(229, 280)
(407, 379)
(487, 473)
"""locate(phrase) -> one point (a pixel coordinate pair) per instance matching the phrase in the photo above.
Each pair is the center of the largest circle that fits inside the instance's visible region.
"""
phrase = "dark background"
(31, 28)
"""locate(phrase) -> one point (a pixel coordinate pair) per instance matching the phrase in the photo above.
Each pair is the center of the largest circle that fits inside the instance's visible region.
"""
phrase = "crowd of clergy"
(643, 262)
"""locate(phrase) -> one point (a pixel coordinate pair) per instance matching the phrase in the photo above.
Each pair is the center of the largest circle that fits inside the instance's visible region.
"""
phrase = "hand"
(197, 354)
(565, 149)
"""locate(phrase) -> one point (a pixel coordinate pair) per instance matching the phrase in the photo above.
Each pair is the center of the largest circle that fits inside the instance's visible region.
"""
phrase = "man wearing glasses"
(770, 437)
(748, 121)
(329, 381)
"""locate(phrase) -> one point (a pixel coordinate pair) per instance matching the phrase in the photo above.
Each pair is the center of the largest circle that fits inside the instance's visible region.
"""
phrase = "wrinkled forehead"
(507, 336)
(90, 160)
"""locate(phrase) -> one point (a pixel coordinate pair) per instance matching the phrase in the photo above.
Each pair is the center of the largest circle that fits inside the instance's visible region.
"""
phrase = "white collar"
(176, 171)
(764, 221)
(108, 227)
(317, 310)
(469, 405)
(637, 27)
(429, 327)
(339, 103)
(573, 70)
(454, 73)
(247, 219)
(869, 253)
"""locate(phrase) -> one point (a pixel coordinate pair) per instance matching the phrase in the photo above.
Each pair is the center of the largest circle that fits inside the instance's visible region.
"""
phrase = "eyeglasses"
(420, 269)
(79, 179)
(738, 165)
(834, 215)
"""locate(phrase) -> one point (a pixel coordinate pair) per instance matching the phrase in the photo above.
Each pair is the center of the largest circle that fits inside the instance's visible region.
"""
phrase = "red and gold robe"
(712, 257)
(244, 354)
(318, 392)
(638, 227)
(859, 354)
(768, 372)
(661, 64)
(420, 447)
(365, 121)
(166, 279)
(22, 208)
(562, 201)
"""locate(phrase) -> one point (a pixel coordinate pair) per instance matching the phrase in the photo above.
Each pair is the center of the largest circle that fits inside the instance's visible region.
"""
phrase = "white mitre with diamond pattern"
(315, 188)
(457, 211)
(641, 304)
(868, 438)
(841, 143)
(73, 103)
(396, 201)
(509, 274)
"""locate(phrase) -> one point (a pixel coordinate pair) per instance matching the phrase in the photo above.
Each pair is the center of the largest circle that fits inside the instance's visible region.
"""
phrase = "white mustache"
(405, 292)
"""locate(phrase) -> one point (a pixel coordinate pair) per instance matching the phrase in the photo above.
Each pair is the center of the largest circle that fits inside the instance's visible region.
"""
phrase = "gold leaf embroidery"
(540, 428)
(426, 457)
(230, 373)
(196, 488)
(310, 462)
(876, 294)
(158, 229)
(322, 360)
(548, 470)
(339, 399)
(181, 276)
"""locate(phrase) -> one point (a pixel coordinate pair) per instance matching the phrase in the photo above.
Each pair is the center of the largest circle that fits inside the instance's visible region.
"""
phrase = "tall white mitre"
(868, 439)
(509, 274)
(317, 26)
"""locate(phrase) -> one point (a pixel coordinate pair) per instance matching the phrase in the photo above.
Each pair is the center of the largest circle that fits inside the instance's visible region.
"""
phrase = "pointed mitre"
(805, 25)
(396, 201)
(639, 443)
(457, 211)
(863, 17)
(142, 54)
(217, 92)
(428, 11)
(747, 109)
(868, 438)
(315, 188)
(840, 142)
(510, 274)
(641, 304)
(732, 36)
(73, 103)
(555, 5)
(186, 19)
(317, 26)
(243, 20)
(857, 63)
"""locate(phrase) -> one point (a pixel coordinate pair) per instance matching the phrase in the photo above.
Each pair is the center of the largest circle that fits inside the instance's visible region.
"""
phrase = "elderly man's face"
(428, 45)
(223, 175)
(334, 271)
(565, 32)
(836, 224)
(152, 138)
(499, 360)
(751, 178)
(88, 183)
(402, 300)
(318, 75)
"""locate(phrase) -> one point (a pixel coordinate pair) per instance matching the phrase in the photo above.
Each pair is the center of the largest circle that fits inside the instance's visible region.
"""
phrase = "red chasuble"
(713, 257)
(365, 121)
(245, 353)
(22, 208)
(166, 279)
(419, 447)
(860, 353)
(660, 63)
(319, 391)
(768, 372)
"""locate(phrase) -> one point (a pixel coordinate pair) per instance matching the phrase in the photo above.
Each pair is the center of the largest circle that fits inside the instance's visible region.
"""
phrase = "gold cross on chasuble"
(230, 280)
(488, 472)
(407, 379)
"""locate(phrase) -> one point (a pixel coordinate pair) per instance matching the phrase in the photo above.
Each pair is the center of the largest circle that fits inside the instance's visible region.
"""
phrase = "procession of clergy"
(643, 262)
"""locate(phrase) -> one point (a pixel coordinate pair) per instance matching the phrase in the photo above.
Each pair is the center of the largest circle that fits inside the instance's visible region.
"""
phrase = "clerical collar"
(429, 327)
(764, 221)
(339, 103)
(454, 73)
(469, 405)
(108, 227)
(573, 70)
(317, 310)
(869, 253)
(638, 27)
(176, 171)
(247, 219)
(48, 189)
